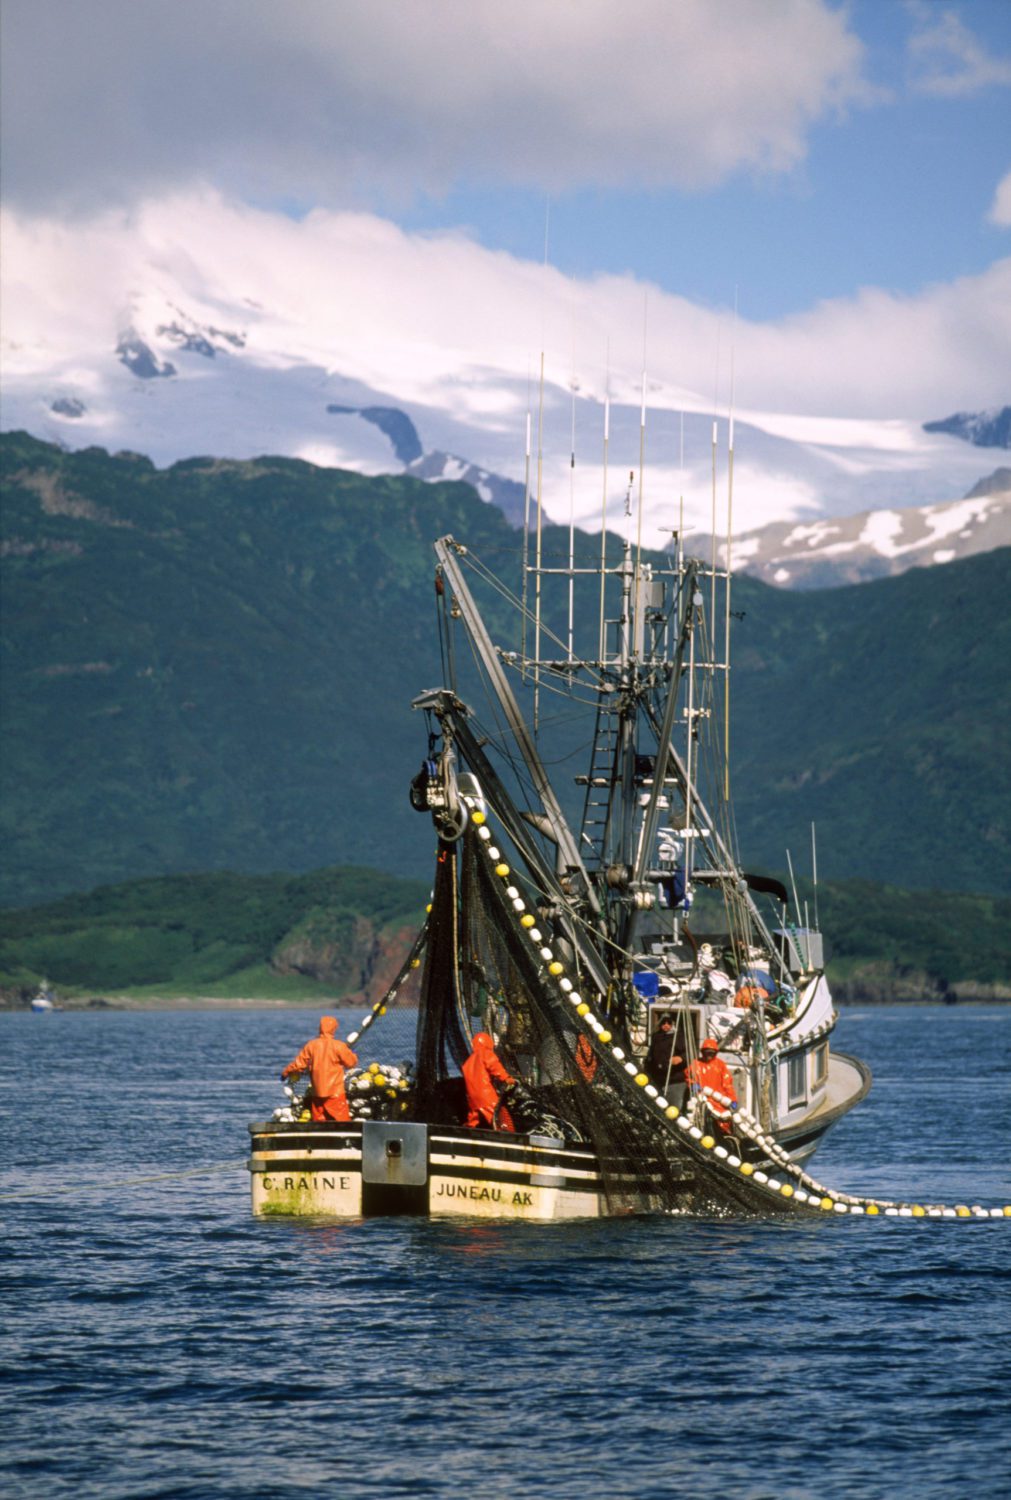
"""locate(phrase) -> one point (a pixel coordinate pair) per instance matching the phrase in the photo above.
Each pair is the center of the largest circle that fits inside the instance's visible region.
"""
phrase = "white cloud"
(879, 354)
(948, 60)
(334, 101)
(1000, 209)
(442, 320)
(349, 307)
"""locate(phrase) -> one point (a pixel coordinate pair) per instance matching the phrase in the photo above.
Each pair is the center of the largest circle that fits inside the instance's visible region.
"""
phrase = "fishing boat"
(588, 894)
(42, 1001)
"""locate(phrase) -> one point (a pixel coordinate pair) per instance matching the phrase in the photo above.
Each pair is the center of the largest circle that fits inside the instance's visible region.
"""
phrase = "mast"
(690, 737)
(526, 539)
(603, 524)
(730, 535)
(653, 690)
(712, 574)
(537, 564)
(651, 815)
(572, 508)
(642, 452)
(446, 550)
(540, 491)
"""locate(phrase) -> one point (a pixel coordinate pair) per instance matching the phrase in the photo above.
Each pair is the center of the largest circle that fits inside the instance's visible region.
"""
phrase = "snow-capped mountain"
(877, 543)
(184, 373)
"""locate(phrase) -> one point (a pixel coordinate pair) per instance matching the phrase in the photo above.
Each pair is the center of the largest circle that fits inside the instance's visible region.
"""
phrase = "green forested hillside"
(890, 726)
(211, 667)
(343, 931)
(224, 934)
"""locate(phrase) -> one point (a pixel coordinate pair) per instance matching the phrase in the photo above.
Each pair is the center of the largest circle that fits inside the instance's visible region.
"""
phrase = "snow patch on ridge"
(880, 531)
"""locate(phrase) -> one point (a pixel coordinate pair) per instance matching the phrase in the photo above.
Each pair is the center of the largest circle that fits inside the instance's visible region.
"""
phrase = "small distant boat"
(44, 1001)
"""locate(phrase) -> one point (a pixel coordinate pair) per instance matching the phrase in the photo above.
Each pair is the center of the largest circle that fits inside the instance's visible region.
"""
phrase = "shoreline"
(100, 1004)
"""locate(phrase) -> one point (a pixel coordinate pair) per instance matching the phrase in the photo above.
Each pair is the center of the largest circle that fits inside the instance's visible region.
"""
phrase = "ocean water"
(157, 1341)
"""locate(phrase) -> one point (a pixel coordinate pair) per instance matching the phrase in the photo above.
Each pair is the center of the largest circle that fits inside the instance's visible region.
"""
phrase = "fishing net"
(444, 1035)
(483, 972)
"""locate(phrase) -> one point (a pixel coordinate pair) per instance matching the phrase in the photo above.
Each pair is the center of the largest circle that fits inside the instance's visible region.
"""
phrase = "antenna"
(642, 466)
(730, 533)
(689, 740)
(793, 884)
(681, 501)
(712, 586)
(540, 492)
(603, 505)
(814, 868)
(526, 541)
(572, 501)
(537, 563)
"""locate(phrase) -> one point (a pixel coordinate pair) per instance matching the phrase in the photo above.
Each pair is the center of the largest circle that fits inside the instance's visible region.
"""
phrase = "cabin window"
(819, 1072)
(796, 1079)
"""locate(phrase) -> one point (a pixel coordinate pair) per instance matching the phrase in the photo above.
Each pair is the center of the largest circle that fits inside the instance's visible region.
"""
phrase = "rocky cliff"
(359, 961)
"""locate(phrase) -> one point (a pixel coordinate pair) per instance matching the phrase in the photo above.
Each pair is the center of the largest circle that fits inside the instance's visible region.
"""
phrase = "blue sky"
(893, 193)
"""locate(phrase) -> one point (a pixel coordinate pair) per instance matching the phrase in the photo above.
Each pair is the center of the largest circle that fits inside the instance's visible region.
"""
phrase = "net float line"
(804, 1193)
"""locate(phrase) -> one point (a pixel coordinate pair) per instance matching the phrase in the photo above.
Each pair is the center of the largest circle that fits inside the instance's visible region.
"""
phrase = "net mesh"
(444, 1035)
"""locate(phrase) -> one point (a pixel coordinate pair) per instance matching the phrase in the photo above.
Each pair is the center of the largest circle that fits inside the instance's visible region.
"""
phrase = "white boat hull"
(329, 1171)
(376, 1168)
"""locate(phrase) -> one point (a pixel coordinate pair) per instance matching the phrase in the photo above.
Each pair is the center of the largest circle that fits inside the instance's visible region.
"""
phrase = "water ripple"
(159, 1342)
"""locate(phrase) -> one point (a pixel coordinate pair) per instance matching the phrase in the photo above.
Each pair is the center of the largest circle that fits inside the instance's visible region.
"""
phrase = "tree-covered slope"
(211, 667)
(346, 932)
(222, 933)
(883, 713)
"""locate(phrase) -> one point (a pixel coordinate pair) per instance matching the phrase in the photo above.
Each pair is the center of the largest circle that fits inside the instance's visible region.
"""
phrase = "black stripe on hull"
(455, 1142)
(299, 1166)
(515, 1177)
(295, 1166)
(489, 1144)
(284, 1138)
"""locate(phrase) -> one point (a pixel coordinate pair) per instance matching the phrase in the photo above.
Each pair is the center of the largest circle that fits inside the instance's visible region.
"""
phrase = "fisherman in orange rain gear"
(325, 1058)
(749, 994)
(710, 1071)
(480, 1073)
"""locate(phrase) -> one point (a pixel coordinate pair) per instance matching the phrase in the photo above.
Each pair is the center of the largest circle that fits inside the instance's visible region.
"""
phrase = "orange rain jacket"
(713, 1073)
(585, 1059)
(480, 1071)
(325, 1058)
(748, 994)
